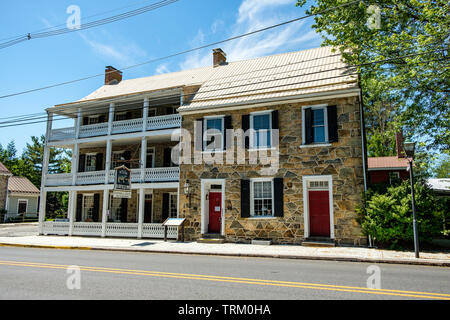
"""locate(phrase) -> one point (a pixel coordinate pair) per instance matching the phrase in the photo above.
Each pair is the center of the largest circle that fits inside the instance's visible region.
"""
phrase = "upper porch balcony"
(116, 118)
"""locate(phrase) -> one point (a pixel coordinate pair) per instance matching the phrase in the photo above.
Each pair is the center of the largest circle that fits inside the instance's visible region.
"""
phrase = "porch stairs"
(318, 242)
(211, 238)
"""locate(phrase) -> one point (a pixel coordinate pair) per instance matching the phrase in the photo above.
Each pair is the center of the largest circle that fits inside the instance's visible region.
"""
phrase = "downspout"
(7, 198)
(363, 144)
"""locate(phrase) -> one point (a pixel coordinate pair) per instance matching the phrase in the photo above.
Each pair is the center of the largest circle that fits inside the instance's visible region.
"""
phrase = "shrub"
(388, 217)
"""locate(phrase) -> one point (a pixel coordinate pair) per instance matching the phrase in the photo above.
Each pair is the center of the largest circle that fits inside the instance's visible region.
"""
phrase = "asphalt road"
(30, 273)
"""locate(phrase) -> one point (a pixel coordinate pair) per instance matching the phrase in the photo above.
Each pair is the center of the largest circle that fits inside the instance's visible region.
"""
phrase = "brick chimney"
(399, 142)
(219, 57)
(112, 75)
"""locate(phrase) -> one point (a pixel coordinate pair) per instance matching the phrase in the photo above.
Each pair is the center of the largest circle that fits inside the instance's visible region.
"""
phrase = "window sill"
(213, 151)
(316, 145)
(262, 218)
(262, 149)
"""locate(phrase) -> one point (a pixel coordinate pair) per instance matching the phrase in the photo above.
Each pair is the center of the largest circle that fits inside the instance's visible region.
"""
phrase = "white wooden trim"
(306, 179)
(252, 202)
(325, 122)
(204, 219)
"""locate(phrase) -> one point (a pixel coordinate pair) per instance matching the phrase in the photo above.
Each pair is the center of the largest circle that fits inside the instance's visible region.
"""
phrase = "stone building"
(269, 148)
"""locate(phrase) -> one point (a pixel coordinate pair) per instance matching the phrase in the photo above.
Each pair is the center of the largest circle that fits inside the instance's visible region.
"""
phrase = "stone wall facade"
(342, 160)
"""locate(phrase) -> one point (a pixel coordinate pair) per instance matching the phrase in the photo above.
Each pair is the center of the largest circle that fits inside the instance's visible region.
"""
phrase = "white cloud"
(116, 50)
(253, 15)
(162, 68)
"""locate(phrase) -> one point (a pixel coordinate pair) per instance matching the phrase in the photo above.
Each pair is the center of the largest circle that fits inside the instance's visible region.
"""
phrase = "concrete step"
(318, 242)
(212, 236)
(209, 240)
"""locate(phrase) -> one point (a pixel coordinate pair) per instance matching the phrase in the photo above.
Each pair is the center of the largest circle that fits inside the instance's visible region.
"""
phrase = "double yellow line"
(290, 284)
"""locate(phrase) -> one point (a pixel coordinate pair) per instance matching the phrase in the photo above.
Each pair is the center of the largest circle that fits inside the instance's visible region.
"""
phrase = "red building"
(385, 169)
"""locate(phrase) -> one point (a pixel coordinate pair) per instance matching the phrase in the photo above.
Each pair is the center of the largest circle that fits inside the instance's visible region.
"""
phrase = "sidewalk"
(230, 249)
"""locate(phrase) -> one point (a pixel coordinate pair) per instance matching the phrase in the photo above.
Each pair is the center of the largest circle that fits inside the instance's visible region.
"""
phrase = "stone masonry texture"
(342, 160)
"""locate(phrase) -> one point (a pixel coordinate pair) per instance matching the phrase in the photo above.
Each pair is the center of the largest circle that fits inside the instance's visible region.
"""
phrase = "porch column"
(74, 167)
(72, 210)
(141, 211)
(78, 122)
(104, 211)
(45, 162)
(108, 160)
(143, 157)
(110, 117)
(145, 114)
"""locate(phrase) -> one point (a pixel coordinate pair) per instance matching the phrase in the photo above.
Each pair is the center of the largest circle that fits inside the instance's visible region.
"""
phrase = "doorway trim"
(307, 179)
(205, 215)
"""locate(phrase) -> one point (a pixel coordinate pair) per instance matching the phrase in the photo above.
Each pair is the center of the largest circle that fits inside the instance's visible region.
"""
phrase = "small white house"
(22, 198)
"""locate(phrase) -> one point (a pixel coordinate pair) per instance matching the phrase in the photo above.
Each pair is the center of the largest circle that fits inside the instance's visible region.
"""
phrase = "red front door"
(215, 211)
(319, 213)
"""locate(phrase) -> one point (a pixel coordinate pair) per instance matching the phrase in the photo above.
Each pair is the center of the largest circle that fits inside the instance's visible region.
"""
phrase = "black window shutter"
(79, 207)
(165, 207)
(245, 127)
(278, 195)
(124, 210)
(81, 162)
(245, 198)
(199, 135)
(99, 161)
(332, 124)
(275, 119)
(308, 126)
(226, 138)
(96, 210)
(167, 157)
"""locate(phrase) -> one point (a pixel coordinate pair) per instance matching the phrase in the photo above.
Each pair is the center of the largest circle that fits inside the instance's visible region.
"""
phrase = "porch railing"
(93, 177)
(113, 229)
(118, 127)
(59, 179)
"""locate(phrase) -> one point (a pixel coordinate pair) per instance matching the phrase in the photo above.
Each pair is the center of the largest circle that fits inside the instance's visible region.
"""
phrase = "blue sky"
(174, 28)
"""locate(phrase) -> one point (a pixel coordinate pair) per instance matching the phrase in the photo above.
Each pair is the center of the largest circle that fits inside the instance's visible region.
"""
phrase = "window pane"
(318, 117)
(213, 134)
(261, 121)
(261, 125)
(319, 134)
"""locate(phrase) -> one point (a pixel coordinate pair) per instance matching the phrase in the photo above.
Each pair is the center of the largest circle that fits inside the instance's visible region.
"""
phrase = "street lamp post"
(409, 151)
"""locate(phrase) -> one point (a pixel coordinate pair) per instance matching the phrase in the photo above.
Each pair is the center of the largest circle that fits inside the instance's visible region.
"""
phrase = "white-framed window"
(120, 116)
(88, 207)
(319, 124)
(173, 204)
(261, 198)
(22, 206)
(394, 176)
(116, 209)
(213, 133)
(261, 130)
(93, 119)
(91, 162)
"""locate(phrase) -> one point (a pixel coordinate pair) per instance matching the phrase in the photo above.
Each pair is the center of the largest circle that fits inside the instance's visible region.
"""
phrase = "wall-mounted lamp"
(187, 191)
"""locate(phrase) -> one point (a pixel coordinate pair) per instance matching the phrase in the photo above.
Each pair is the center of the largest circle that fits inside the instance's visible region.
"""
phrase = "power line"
(224, 95)
(88, 25)
(182, 52)
(63, 24)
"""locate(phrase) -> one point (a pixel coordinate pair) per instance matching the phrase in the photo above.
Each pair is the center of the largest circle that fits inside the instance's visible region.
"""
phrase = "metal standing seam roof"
(21, 185)
(4, 169)
(387, 162)
(285, 75)
(278, 76)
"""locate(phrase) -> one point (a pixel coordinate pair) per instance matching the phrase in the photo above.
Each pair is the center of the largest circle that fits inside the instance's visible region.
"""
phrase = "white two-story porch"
(137, 131)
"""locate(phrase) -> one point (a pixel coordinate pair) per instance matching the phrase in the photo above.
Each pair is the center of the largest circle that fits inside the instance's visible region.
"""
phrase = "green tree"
(417, 34)
(443, 169)
(387, 216)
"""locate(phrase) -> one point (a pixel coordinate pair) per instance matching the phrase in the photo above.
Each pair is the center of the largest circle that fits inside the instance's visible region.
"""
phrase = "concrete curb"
(437, 263)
